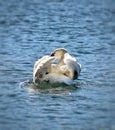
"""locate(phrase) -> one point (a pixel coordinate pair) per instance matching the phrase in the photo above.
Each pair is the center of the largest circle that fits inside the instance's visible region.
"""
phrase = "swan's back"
(59, 78)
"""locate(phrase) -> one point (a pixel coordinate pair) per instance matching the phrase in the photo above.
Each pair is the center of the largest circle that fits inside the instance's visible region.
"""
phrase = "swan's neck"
(61, 62)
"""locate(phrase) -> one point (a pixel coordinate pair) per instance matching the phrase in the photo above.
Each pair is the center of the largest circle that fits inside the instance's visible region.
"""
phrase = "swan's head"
(58, 53)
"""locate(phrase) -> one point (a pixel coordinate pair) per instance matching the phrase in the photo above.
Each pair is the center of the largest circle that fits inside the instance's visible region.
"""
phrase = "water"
(31, 29)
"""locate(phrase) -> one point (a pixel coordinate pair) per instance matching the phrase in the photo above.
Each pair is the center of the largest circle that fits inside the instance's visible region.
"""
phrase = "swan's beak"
(56, 61)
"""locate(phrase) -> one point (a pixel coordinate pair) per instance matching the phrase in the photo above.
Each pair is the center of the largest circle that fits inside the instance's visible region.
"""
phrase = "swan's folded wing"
(44, 58)
(41, 66)
(72, 66)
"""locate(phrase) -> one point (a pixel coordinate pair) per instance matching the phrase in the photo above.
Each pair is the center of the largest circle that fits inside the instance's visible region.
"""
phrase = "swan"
(64, 71)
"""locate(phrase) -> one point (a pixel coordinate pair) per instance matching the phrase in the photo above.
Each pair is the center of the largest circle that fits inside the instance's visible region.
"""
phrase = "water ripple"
(32, 29)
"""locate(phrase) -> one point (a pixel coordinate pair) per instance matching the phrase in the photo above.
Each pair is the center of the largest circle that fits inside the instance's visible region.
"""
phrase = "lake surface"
(30, 29)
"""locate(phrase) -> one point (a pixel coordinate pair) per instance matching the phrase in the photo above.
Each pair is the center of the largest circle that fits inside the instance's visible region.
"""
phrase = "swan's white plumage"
(56, 77)
(65, 71)
(41, 67)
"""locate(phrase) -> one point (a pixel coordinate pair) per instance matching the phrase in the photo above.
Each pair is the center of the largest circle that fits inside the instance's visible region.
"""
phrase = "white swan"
(65, 71)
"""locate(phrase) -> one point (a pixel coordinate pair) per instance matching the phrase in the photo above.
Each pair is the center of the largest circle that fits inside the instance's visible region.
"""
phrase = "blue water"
(30, 29)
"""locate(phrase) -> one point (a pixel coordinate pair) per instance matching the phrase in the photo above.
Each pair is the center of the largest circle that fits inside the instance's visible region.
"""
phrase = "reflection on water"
(31, 29)
(47, 88)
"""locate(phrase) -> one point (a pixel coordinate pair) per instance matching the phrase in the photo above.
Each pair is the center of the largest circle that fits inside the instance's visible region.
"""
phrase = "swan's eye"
(52, 54)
